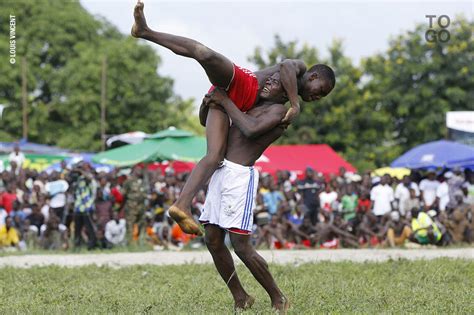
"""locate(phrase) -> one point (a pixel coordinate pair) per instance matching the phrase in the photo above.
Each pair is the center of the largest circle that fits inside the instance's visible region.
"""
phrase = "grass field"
(441, 286)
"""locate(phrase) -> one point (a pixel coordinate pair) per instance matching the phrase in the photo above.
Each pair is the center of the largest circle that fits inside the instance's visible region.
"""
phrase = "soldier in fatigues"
(135, 194)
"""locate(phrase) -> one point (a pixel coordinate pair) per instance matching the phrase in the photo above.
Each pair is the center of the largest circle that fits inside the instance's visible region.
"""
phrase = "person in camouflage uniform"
(135, 195)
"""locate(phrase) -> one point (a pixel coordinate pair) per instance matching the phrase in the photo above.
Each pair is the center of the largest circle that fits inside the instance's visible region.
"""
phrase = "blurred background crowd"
(77, 205)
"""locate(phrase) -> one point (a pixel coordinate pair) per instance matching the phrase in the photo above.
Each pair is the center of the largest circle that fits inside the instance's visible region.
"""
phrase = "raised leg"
(225, 266)
(216, 133)
(219, 69)
(259, 269)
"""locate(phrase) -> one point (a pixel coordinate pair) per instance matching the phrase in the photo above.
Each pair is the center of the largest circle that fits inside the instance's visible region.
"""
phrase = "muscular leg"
(218, 68)
(225, 265)
(217, 128)
(259, 269)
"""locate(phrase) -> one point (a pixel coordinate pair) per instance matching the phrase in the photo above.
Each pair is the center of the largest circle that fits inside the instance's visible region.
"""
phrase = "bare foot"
(139, 28)
(184, 220)
(244, 305)
(281, 306)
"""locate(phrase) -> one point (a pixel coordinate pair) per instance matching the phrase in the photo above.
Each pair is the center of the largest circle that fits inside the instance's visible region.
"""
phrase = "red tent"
(295, 158)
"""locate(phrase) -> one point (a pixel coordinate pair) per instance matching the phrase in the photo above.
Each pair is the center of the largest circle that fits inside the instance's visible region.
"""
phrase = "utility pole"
(24, 97)
(103, 96)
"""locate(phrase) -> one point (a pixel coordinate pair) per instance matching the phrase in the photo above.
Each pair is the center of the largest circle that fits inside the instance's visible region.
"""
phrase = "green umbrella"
(170, 144)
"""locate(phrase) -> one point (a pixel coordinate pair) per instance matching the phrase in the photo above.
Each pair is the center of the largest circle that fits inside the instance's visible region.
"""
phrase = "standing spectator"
(135, 196)
(115, 230)
(327, 198)
(8, 234)
(349, 203)
(272, 198)
(309, 189)
(84, 193)
(428, 187)
(382, 195)
(412, 203)
(364, 205)
(9, 197)
(442, 192)
(455, 184)
(17, 157)
(402, 194)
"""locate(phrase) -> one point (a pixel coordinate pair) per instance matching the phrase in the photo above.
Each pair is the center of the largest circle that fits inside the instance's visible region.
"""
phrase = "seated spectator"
(29, 234)
(424, 230)
(36, 218)
(53, 234)
(9, 236)
(115, 230)
(329, 235)
(458, 226)
(397, 229)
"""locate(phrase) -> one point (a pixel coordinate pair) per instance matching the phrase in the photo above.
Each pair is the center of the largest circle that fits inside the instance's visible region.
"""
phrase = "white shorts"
(230, 199)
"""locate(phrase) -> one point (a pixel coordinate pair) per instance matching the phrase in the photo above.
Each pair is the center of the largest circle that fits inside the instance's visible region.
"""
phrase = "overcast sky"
(235, 28)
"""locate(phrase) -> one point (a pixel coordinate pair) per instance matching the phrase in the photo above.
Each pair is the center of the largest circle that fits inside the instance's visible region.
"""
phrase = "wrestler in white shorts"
(230, 198)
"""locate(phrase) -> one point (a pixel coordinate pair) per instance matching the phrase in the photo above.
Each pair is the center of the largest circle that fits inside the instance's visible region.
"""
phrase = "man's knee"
(213, 243)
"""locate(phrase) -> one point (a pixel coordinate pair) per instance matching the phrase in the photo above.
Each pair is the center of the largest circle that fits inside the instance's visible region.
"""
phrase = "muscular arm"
(251, 126)
(290, 70)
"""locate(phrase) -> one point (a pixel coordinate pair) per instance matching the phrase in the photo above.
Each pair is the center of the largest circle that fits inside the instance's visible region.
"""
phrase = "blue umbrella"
(442, 153)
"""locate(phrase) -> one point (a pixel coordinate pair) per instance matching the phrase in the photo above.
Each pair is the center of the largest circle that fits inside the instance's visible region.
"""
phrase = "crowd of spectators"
(77, 205)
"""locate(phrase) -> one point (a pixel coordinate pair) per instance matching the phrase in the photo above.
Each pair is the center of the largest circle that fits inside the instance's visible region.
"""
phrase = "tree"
(417, 82)
(395, 100)
(342, 119)
(65, 55)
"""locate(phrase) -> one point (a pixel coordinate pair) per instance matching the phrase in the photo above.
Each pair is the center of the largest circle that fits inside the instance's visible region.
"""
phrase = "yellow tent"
(397, 172)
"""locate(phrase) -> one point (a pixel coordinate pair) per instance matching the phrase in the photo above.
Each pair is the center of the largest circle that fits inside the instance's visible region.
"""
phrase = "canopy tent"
(170, 144)
(296, 158)
(437, 154)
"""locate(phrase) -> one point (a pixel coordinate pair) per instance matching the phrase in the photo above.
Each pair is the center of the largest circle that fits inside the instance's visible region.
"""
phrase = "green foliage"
(64, 56)
(392, 102)
(440, 286)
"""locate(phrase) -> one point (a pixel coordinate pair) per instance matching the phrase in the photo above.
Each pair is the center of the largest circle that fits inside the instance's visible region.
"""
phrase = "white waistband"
(236, 166)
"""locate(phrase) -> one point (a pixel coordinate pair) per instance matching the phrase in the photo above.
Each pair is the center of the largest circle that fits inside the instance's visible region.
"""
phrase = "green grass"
(441, 286)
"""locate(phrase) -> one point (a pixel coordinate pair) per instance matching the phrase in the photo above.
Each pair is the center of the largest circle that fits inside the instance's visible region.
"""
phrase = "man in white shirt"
(382, 195)
(17, 157)
(442, 192)
(327, 197)
(428, 187)
(402, 194)
(115, 230)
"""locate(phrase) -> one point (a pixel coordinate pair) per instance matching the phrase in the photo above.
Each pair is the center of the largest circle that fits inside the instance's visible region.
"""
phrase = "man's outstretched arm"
(290, 71)
(250, 126)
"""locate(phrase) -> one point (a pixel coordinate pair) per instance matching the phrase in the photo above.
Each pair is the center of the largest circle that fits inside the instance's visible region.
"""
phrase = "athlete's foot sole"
(246, 305)
(282, 308)
(139, 27)
(185, 221)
